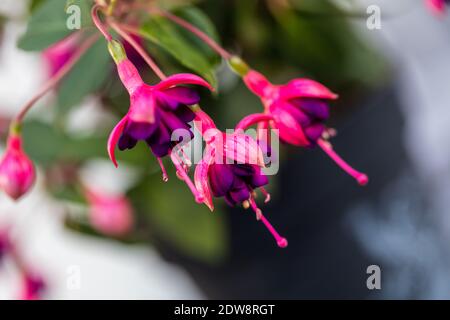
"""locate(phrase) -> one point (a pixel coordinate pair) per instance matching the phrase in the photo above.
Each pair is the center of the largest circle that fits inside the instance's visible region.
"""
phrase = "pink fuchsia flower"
(231, 168)
(109, 214)
(17, 173)
(298, 111)
(57, 55)
(33, 286)
(155, 111)
(437, 6)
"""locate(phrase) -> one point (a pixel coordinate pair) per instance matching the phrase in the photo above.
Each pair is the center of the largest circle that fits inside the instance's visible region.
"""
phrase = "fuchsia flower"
(437, 6)
(111, 215)
(231, 168)
(298, 111)
(17, 173)
(155, 111)
(32, 286)
(59, 53)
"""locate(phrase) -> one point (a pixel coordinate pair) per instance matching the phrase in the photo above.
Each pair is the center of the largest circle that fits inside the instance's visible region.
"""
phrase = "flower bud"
(17, 173)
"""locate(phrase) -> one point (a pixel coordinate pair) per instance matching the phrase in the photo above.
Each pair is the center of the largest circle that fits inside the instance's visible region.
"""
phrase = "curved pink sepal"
(183, 79)
(114, 138)
(288, 127)
(257, 83)
(201, 177)
(305, 88)
(253, 119)
(243, 149)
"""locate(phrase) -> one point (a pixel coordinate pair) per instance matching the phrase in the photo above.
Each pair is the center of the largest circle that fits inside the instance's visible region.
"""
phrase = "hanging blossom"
(17, 173)
(59, 53)
(33, 286)
(297, 111)
(231, 168)
(437, 6)
(155, 111)
(109, 214)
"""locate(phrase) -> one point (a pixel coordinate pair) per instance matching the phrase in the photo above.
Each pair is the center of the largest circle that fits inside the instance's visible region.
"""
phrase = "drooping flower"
(155, 111)
(57, 55)
(298, 111)
(109, 214)
(33, 286)
(231, 168)
(437, 6)
(17, 173)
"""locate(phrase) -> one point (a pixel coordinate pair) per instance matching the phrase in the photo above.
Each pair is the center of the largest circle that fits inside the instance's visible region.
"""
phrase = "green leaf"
(86, 77)
(179, 220)
(164, 33)
(48, 24)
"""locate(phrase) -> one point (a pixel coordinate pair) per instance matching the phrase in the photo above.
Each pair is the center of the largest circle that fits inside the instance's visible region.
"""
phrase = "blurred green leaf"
(87, 76)
(164, 33)
(179, 220)
(48, 23)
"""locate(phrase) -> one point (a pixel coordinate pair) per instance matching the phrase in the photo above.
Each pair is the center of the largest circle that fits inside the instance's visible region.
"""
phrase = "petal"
(220, 178)
(182, 95)
(140, 130)
(253, 119)
(257, 83)
(289, 129)
(240, 195)
(114, 138)
(182, 79)
(126, 142)
(243, 149)
(201, 177)
(307, 88)
(314, 131)
(185, 114)
(258, 179)
(313, 107)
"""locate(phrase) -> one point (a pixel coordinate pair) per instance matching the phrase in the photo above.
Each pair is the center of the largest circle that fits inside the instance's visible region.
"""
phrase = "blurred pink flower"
(17, 173)
(109, 214)
(32, 286)
(437, 6)
(57, 55)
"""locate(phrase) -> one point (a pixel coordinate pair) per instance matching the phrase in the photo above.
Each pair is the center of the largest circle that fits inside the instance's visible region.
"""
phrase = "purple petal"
(314, 131)
(220, 178)
(126, 142)
(313, 107)
(240, 195)
(185, 114)
(140, 130)
(258, 179)
(182, 95)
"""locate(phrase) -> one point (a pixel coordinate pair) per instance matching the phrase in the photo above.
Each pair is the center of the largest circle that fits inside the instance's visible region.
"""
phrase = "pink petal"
(243, 149)
(201, 177)
(305, 88)
(114, 138)
(252, 119)
(289, 129)
(257, 83)
(182, 79)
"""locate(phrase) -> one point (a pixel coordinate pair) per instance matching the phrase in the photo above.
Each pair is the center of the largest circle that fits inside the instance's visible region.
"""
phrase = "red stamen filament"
(281, 242)
(358, 176)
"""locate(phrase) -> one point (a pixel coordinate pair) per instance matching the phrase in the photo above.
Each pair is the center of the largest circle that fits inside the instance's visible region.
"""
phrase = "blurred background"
(391, 120)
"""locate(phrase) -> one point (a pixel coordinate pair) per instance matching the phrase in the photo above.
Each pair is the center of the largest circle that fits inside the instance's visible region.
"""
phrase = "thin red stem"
(53, 81)
(98, 23)
(196, 31)
(121, 31)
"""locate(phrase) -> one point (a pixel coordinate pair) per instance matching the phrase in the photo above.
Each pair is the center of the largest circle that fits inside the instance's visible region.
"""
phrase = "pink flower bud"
(110, 214)
(17, 173)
